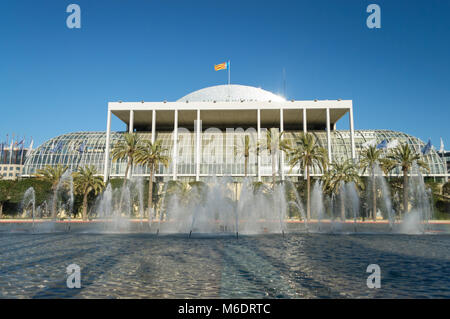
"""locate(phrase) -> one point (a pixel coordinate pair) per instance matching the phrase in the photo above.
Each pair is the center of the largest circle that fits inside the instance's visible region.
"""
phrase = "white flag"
(370, 143)
(392, 144)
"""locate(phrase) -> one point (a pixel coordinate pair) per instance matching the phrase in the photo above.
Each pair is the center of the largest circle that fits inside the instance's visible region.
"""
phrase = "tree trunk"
(124, 183)
(405, 191)
(85, 198)
(342, 206)
(1, 210)
(246, 166)
(150, 193)
(126, 172)
(55, 193)
(308, 194)
(374, 198)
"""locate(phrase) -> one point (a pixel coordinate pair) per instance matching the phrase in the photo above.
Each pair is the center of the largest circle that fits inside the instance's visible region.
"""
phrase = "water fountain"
(317, 203)
(222, 206)
(212, 208)
(416, 221)
(297, 203)
(383, 195)
(138, 191)
(116, 207)
(42, 210)
(261, 210)
(64, 196)
(352, 202)
(113, 207)
(103, 205)
(29, 203)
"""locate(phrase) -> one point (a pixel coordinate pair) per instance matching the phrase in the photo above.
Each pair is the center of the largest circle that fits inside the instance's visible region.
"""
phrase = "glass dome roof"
(232, 92)
(88, 148)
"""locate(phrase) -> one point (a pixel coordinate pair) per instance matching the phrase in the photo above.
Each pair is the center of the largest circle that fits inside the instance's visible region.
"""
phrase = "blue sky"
(55, 80)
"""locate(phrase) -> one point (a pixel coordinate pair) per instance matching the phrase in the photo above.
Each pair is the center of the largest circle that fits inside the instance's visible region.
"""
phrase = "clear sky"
(55, 80)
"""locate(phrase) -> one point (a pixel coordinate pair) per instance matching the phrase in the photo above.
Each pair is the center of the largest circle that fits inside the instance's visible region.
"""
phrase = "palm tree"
(126, 148)
(52, 174)
(151, 155)
(272, 142)
(404, 157)
(338, 174)
(369, 158)
(387, 166)
(245, 150)
(306, 153)
(85, 181)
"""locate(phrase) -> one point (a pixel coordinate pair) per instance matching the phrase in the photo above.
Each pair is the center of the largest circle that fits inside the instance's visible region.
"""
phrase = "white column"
(198, 140)
(154, 134)
(153, 126)
(175, 145)
(131, 125)
(352, 133)
(305, 128)
(108, 136)
(258, 120)
(278, 150)
(328, 135)
(130, 130)
(304, 121)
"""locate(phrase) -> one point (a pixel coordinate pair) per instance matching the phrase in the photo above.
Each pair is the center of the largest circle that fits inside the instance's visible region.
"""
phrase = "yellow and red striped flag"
(221, 66)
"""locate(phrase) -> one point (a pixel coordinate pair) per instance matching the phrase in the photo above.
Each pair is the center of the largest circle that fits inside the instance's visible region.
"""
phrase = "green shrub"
(446, 189)
(12, 191)
(443, 207)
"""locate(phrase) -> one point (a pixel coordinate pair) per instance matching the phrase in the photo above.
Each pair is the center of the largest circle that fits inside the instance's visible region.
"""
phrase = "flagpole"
(229, 71)
(11, 151)
(21, 151)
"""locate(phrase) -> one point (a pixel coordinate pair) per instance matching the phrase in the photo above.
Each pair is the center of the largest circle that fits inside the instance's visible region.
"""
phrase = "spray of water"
(220, 205)
(416, 221)
(318, 204)
(29, 204)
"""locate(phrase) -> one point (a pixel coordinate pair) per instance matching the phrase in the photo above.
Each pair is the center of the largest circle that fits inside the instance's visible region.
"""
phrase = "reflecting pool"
(301, 265)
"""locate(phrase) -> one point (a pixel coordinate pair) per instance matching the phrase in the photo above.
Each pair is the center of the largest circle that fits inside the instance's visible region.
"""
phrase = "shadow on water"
(262, 266)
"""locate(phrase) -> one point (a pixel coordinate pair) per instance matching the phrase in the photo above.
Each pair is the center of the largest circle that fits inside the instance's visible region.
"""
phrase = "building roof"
(232, 105)
(232, 92)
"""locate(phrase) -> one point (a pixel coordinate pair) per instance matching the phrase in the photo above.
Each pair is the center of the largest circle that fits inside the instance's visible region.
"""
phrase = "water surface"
(266, 266)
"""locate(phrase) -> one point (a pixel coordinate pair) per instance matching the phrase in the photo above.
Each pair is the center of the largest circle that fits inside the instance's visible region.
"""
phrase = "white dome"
(232, 92)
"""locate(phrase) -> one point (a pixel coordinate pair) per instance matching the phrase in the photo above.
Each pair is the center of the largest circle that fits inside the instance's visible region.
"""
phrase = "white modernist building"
(225, 108)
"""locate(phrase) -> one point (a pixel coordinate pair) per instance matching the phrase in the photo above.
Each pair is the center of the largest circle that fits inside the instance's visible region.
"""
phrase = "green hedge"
(11, 193)
(446, 189)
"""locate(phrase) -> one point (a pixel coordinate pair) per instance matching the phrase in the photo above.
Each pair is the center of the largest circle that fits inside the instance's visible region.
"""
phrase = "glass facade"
(12, 156)
(221, 153)
(11, 161)
(446, 158)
